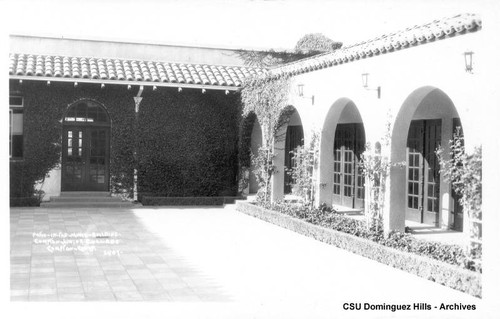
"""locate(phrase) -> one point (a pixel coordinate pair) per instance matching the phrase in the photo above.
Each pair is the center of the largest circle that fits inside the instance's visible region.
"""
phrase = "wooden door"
(423, 179)
(85, 148)
(85, 158)
(348, 180)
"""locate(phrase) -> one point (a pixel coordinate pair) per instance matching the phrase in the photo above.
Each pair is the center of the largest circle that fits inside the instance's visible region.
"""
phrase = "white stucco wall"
(405, 77)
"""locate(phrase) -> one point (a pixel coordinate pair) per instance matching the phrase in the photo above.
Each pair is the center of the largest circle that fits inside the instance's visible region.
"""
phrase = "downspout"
(137, 99)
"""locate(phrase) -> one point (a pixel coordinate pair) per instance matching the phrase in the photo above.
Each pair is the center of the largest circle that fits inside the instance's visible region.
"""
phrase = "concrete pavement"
(203, 256)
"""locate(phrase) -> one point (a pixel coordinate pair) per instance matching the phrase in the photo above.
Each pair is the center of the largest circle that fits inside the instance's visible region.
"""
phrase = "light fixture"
(227, 92)
(468, 61)
(203, 91)
(48, 83)
(300, 90)
(21, 82)
(129, 87)
(179, 90)
(76, 84)
(102, 85)
(364, 78)
(154, 88)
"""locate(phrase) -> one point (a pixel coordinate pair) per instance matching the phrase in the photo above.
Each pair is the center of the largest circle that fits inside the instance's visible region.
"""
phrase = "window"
(16, 127)
(86, 112)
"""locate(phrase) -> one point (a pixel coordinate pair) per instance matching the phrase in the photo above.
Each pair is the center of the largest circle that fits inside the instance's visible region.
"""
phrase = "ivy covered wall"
(187, 141)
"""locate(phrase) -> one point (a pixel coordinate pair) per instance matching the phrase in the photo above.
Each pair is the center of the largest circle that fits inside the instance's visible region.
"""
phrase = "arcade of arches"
(418, 193)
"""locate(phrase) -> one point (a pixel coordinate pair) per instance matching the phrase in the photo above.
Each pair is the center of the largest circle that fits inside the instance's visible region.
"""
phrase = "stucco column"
(395, 187)
(325, 166)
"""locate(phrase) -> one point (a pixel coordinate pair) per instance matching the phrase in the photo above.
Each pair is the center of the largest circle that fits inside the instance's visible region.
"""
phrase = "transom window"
(16, 129)
(86, 112)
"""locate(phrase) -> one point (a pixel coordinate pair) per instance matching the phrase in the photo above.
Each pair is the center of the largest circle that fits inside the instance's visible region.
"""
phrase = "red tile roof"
(101, 70)
(417, 35)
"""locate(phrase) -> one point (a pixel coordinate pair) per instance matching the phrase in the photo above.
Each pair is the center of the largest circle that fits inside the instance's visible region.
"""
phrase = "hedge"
(440, 272)
(188, 201)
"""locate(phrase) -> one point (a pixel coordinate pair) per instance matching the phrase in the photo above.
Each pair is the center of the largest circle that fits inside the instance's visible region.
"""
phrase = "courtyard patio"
(202, 255)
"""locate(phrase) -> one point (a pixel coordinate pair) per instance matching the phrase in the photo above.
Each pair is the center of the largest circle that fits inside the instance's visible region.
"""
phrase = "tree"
(464, 172)
(316, 43)
(305, 162)
(309, 45)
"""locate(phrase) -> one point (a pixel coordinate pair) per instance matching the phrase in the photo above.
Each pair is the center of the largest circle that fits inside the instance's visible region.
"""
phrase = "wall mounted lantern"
(364, 78)
(468, 61)
(300, 90)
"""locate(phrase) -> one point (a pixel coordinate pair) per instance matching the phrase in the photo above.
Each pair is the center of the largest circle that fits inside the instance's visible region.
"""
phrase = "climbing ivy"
(44, 107)
(464, 171)
(188, 143)
(267, 98)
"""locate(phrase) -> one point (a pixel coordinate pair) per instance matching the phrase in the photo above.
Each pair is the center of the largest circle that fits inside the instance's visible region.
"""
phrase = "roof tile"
(96, 68)
(436, 30)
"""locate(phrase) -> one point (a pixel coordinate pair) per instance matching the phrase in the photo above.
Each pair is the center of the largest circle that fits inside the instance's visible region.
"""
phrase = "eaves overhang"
(418, 35)
(32, 67)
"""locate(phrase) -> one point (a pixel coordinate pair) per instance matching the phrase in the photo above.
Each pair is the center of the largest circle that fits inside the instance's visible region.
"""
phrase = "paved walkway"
(203, 255)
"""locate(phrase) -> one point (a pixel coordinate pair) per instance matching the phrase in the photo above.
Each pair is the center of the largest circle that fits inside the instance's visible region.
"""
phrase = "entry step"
(85, 194)
(120, 204)
(68, 198)
(87, 200)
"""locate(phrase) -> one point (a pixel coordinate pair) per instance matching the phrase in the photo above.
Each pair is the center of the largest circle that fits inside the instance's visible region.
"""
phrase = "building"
(162, 121)
(123, 117)
(420, 82)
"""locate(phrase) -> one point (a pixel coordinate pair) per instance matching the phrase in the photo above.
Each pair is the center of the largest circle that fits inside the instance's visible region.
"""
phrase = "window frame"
(15, 108)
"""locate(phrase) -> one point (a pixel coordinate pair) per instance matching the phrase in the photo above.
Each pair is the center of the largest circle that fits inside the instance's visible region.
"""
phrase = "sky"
(259, 24)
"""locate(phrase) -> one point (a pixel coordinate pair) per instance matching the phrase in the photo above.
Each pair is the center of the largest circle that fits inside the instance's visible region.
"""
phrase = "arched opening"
(85, 147)
(342, 143)
(419, 194)
(289, 135)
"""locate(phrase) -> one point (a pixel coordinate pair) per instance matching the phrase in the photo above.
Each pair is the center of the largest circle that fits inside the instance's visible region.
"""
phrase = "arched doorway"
(342, 143)
(85, 147)
(425, 122)
(289, 135)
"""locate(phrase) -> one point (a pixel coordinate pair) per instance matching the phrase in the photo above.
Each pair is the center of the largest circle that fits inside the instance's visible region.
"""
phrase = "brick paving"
(136, 267)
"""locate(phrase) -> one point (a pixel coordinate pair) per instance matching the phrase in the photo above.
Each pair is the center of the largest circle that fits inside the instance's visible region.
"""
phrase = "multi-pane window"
(16, 127)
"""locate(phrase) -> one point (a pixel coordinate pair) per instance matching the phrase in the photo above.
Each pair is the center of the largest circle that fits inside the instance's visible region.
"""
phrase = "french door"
(348, 178)
(85, 158)
(422, 204)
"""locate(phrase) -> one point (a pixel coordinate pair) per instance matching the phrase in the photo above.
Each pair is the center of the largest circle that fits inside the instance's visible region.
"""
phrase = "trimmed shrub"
(440, 272)
(452, 254)
(188, 201)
